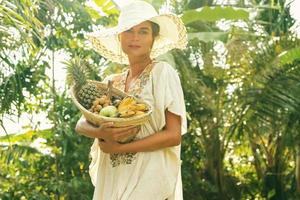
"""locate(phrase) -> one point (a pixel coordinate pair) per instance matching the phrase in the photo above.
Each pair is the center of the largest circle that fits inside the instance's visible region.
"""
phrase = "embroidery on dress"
(119, 83)
(137, 88)
(117, 159)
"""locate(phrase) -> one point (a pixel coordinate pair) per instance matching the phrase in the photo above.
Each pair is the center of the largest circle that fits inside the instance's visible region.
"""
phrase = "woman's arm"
(83, 127)
(170, 136)
(106, 131)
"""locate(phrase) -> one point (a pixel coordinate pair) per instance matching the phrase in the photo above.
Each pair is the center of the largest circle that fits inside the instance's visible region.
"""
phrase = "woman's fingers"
(110, 125)
(111, 133)
(123, 129)
(127, 133)
(116, 130)
(106, 124)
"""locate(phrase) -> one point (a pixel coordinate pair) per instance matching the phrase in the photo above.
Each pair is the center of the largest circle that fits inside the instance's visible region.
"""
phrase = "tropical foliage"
(240, 75)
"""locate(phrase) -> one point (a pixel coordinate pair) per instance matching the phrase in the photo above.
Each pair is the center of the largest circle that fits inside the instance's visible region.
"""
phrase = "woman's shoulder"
(164, 68)
(161, 66)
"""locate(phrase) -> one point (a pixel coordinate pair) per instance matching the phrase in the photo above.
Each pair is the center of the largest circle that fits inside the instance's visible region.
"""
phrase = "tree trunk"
(257, 163)
(279, 169)
(273, 183)
(214, 164)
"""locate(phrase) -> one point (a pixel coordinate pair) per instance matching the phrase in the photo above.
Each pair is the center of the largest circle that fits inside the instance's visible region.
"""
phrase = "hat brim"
(172, 35)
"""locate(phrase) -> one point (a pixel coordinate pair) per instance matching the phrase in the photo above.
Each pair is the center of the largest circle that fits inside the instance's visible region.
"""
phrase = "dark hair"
(155, 29)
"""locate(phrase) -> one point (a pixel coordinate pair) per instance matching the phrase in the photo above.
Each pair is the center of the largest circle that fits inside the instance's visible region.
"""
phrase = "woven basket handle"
(109, 89)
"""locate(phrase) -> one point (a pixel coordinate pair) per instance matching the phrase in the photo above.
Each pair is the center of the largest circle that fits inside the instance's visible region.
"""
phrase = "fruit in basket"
(123, 108)
(126, 104)
(77, 73)
(129, 107)
(109, 111)
(116, 101)
(140, 107)
(99, 103)
(127, 113)
(139, 112)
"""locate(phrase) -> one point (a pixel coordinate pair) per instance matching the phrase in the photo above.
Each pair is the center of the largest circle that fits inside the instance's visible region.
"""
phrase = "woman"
(147, 168)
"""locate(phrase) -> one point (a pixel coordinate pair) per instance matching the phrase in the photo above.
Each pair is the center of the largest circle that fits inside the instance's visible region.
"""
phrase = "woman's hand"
(110, 146)
(168, 137)
(111, 134)
(109, 141)
(106, 131)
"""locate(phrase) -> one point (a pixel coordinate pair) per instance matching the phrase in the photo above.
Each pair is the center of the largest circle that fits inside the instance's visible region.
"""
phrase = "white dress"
(152, 175)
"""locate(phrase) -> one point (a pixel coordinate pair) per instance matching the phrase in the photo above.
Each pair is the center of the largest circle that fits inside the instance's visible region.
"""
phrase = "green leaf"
(209, 36)
(212, 14)
(271, 193)
(25, 137)
(107, 6)
(92, 12)
(289, 56)
(271, 7)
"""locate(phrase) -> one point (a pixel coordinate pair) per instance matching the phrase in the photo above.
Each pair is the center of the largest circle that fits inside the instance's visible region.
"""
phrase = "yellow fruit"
(96, 102)
(126, 103)
(98, 108)
(107, 101)
(129, 107)
(102, 100)
(105, 105)
(127, 113)
(139, 112)
(140, 107)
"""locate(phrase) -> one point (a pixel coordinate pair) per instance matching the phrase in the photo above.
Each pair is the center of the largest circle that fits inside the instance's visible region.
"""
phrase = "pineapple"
(77, 74)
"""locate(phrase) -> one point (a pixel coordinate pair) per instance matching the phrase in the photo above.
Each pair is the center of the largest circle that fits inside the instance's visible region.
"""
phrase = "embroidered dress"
(144, 175)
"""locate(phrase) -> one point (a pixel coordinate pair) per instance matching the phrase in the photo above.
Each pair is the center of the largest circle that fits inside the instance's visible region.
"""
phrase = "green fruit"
(109, 111)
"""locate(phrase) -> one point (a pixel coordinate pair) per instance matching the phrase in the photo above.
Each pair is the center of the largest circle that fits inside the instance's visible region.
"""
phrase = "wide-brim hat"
(172, 33)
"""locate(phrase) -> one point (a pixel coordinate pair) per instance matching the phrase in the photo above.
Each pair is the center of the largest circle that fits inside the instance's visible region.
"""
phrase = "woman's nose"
(135, 36)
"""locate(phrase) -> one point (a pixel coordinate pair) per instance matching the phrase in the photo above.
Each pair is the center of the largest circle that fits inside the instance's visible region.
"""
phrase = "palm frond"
(11, 153)
(289, 56)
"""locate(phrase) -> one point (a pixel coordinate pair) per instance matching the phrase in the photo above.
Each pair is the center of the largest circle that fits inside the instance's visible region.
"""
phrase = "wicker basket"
(118, 122)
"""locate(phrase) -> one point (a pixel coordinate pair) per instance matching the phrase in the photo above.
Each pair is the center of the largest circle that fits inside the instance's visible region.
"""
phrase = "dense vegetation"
(240, 75)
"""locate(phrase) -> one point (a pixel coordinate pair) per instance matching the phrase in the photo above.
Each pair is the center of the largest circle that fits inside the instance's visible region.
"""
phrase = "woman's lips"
(134, 46)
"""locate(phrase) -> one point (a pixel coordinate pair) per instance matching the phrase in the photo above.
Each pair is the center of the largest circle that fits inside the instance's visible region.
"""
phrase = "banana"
(129, 107)
(140, 107)
(127, 113)
(125, 103)
(138, 112)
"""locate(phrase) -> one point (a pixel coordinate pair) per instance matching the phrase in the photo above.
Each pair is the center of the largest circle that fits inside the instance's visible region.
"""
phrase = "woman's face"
(138, 40)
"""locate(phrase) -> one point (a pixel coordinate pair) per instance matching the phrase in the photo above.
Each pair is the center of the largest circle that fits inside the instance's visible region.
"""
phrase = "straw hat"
(172, 33)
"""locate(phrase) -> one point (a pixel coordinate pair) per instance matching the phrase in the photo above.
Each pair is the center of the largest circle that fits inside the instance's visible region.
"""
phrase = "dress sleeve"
(168, 94)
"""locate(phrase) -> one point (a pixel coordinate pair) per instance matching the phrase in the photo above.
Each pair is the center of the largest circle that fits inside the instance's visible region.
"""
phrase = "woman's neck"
(137, 65)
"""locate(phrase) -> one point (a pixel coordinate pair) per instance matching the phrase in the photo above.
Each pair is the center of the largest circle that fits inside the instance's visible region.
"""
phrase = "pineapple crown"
(77, 72)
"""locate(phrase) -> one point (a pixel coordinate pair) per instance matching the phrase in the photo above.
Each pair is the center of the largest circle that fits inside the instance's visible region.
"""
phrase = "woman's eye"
(143, 32)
